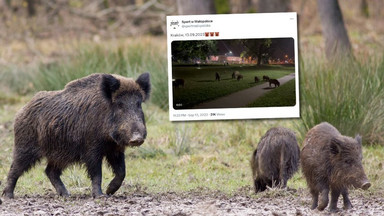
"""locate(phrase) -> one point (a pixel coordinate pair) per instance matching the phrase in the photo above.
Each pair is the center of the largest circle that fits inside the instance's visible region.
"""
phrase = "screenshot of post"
(235, 66)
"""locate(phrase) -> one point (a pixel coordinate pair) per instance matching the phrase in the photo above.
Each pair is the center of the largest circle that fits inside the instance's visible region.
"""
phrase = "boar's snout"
(366, 185)
(136, 139)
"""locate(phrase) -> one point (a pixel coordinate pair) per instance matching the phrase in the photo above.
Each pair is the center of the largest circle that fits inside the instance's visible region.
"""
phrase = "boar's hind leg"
(283, 174)
(54, 174)
(94, 171)
(116, 160)
(347, 202)
(23, 160)
(323, 199)
(315, 198)
(334, 198)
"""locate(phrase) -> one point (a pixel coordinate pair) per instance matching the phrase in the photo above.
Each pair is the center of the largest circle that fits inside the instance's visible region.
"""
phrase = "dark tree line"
(333, 27)
(117, 13)
(189, 51)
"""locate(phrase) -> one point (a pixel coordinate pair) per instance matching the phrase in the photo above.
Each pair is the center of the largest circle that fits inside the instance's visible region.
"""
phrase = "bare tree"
(364, 9)
(334, 32)
(190, 7)
(31, 7)
(266, 6)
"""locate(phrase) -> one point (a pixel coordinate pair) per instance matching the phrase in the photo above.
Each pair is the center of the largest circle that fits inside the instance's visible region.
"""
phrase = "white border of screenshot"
(233, 26)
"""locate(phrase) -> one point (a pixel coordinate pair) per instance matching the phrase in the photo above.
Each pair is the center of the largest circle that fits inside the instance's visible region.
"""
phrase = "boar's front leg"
(116, 160)
(347, 202)
(334, 198)
(323, 199)
(94, 172)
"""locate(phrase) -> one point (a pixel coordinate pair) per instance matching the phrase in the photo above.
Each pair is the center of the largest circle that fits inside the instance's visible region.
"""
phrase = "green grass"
(285, 95)
(349, 95)
(128, 60)
(200, 84)
(175, 157)
(217, 159)
(212, 155)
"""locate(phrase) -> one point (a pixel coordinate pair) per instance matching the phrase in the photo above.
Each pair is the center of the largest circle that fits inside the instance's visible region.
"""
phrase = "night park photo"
(233, 73)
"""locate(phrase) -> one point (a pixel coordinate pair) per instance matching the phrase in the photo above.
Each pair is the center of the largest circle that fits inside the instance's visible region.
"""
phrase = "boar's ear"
(109, 84)
(358, 139)
(144, 83)
(335, 147)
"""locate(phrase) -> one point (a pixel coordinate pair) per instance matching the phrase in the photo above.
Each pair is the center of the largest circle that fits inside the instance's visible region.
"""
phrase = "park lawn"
(285, 95)
(200, 85)
(203, 156)
(176, 157)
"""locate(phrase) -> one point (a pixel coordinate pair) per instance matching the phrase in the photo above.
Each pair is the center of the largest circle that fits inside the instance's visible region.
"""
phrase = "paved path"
(244, 97)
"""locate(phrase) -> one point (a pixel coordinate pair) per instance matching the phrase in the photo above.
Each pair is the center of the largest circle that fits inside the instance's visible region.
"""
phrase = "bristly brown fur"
(91, 118)
(276, 159)
(331, 162)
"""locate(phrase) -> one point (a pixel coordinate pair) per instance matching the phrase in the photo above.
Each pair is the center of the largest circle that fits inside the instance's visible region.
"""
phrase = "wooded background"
(23, 19)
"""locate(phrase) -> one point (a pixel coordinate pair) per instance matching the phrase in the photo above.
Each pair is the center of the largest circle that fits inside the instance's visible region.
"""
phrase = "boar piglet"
(275, 159)
(332, 162)
(92, 118)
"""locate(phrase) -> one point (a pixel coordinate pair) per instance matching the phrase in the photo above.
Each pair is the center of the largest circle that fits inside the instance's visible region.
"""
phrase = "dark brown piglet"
(275, 159)
(332, 162)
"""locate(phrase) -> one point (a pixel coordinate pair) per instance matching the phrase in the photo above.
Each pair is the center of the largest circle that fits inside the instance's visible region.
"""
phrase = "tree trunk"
(31, 8)
(191, 7)
(266, 6)
(364, 8)
(336, 38)
(242, 6)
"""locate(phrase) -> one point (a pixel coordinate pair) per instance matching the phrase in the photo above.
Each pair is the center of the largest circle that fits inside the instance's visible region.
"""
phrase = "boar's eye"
(349, 161)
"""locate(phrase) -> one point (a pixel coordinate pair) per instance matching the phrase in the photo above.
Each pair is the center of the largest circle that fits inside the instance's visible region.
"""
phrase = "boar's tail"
(253, 164)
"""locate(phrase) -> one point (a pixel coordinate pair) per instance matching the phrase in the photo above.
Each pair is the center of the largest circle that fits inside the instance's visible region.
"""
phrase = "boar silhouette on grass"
(235, 74)
(217, 75)
(178, 83)
(91, 118)
(266, 78)
(332, 162)
(274, 81)
(275, 159)
(239, 77)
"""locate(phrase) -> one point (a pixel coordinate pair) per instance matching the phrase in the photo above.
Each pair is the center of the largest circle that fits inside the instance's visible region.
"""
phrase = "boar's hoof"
(322, 206)
(313, 207)
(94, 195)
(347, 206)
(8, 195)
(64, 194)
(100, 196)
(366, 185)
(334, 210)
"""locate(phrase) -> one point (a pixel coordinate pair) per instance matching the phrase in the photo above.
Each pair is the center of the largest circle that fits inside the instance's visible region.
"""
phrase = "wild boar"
(275, 159)
(91, 118)
(178, 83)
(274, 81)
(332, 162)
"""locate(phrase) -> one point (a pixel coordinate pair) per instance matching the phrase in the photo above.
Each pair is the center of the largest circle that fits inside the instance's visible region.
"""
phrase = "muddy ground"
(193, 203)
